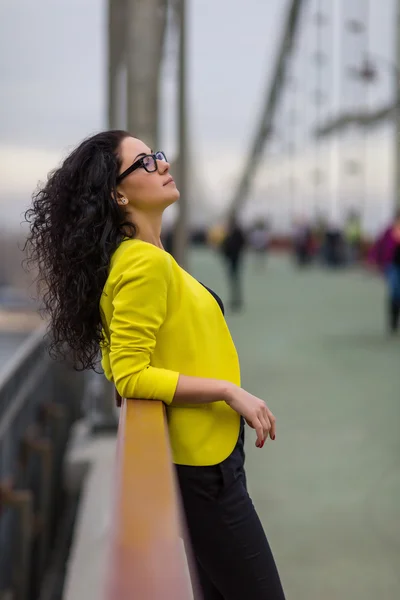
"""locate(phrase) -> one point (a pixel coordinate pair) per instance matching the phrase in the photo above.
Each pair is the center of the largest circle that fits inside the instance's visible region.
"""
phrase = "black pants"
(393, 314)
(234, 265)
(234, 560)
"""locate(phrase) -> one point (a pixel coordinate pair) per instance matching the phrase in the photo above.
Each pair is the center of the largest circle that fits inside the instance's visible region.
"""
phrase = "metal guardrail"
(147, 555)
(39, 399)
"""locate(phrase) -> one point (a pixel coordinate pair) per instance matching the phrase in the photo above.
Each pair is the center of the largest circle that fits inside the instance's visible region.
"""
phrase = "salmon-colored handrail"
(147, 558)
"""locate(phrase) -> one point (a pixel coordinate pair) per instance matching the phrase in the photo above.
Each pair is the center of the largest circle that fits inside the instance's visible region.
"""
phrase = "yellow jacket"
(160, 322)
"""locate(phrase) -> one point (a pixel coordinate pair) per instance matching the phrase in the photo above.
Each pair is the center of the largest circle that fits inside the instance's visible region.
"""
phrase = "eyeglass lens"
(150, 164)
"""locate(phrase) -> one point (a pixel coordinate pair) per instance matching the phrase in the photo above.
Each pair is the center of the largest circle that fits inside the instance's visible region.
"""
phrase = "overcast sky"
(52, 70)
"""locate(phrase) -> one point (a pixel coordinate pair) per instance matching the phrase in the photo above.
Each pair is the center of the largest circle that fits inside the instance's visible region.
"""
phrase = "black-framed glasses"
(148, 162)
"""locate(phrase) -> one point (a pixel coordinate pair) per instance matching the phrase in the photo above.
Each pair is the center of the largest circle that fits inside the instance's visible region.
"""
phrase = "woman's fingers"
(272, 420)
(262, 426)
(257, 425)
(266, 425)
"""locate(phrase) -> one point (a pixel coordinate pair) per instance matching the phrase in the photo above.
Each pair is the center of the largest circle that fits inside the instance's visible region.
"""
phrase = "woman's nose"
(163, 166)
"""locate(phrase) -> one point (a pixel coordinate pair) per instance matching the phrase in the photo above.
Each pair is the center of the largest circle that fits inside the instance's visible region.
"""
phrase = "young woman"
(95, 235)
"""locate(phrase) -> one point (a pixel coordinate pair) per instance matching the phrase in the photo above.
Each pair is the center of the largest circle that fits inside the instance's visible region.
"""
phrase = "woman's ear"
(121, 199)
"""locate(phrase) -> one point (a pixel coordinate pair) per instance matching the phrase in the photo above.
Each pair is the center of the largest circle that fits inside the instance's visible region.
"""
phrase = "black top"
(217, 298)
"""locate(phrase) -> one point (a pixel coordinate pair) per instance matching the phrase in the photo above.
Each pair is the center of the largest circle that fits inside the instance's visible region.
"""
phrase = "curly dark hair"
(75, 226)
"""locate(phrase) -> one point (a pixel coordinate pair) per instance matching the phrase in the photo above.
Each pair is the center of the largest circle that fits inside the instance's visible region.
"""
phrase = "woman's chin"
(174, 196)
(170, 198)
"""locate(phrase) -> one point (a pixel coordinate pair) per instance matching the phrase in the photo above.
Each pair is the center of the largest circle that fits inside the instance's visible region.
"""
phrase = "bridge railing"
(147, 554)
(38, 401)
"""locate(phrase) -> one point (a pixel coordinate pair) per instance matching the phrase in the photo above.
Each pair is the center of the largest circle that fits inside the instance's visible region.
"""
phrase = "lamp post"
(181, 227)
(397, 109)
(368, 73)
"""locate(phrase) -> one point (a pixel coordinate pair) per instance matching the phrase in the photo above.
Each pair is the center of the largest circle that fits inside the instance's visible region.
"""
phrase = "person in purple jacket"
(385, 253)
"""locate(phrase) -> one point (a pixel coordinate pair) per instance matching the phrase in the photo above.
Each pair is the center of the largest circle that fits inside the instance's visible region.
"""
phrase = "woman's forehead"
(131, 147)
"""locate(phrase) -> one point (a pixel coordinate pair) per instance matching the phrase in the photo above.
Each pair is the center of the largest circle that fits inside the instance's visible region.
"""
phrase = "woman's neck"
(149, 229)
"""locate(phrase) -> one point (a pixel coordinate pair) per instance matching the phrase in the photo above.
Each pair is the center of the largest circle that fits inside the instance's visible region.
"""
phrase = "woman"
(385, 253)
(95, 235)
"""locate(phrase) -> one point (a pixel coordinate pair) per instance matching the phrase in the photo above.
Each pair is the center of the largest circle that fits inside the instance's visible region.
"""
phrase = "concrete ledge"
(90, 463)
(89, 466)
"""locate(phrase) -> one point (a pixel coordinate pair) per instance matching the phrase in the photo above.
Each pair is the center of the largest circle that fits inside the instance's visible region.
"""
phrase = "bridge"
(89, 510)
(327, 490)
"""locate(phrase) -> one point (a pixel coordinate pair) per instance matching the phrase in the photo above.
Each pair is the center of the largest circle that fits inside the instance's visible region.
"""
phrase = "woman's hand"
(199, 390)
(255, 411)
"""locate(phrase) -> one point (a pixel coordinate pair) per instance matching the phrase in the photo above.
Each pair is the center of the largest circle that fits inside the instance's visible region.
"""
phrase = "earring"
(124, 201)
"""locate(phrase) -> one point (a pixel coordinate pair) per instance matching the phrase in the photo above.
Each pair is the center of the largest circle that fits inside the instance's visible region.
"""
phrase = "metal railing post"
(22, 502)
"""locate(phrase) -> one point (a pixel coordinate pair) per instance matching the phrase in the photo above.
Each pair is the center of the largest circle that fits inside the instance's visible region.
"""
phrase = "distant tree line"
(12, 272)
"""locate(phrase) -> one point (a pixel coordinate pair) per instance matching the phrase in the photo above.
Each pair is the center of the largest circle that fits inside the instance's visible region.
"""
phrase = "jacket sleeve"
(139, 309)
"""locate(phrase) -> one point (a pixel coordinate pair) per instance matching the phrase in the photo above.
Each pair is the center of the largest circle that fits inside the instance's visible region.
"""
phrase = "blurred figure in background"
(334, 245)
(353, 237)
(167, 237)
(259, 240)
(385, 254)
(320, 227)
(216, 235)
(232, 248)
(302, 241)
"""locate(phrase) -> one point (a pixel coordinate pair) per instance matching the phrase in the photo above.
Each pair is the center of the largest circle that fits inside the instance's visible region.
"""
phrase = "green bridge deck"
(313, 345)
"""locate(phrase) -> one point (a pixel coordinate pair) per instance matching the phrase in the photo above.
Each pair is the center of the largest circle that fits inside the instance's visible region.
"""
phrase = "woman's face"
(145, 191)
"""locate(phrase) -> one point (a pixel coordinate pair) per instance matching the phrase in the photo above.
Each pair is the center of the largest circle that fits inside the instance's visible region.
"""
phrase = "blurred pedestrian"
(385, 253)
(334, 246)
(216, 235)
(353, 237)
(319, 234)
(232, 248)
(302, 241)
(259, 240)
(167, 237)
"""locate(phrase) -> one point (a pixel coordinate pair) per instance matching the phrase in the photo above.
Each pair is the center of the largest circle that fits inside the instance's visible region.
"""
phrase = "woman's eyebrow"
(141, 154)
